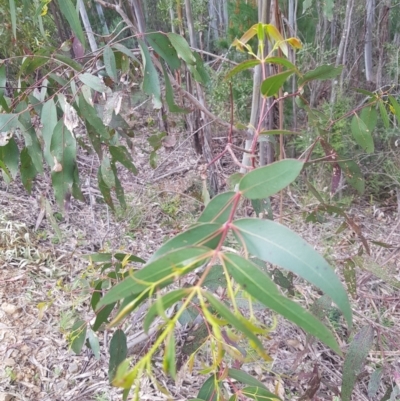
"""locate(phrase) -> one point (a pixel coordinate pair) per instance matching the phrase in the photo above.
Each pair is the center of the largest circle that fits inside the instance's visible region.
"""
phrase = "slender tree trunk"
(383, 39)
(88, 27)
(341, 54)
(369, 23)
(103, 21)
(197, 120)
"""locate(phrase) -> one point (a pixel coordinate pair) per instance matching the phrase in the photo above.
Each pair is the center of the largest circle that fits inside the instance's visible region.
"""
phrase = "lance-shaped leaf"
(161, 271)
(30, 137)
(260, 286)
(13, 15)
(271, 85)
(353, 175)
(162, 304)
(34, 62)
(169, 362)
(278, 245)
(78, 335)
(395, 108)
(8, 122)
(209, 391)
(93, 82)
(63, 149)
(370, 117)
(27, 170)
(88, 113)
(169, 95)
(278, 132)
(245, 378)
(361, 134)
(68, 62)
(164, 48)
(355, 359)
(118, 352)
(282, 61)
(233, 320)
(49, 121)
(121, 154)
(151, 83)
(259, 394)
(218, 209)
(384, 114)
(119, 189)
(110, 64)
(9, 155)
(71, 14)
(245, 65)
(268, 180)
(322, 72)
(182, 47)
(207, 234)
(126, 51)
(94, 344)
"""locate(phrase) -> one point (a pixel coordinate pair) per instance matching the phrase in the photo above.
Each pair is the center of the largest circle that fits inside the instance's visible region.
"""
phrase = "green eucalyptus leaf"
(245, 65)
(218, 209)
(70, 13)
(355, 359)
(271, 85)
(68, 62)
(118, 352)
(110, 63)
(279, 245)
(182, 48)
(259, 394)
(93, 82)
(260, 286)
(27, 170)
(268, 180)
(320, 73)
(362, 134)
(162, 271)
(120, 154)
(163, 47)
(78, 336)
(205, 234)
(151, 83)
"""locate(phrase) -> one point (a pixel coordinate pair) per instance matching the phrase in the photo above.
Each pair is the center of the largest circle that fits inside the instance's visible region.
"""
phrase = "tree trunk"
(369, 23)
(341, 54)
(103, 21)
(88, 27)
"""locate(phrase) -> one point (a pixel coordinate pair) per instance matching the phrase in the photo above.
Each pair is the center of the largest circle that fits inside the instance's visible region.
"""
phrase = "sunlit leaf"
(260, 286)
(396, 107)
(355, 359)
(279, 245)
(268, 180)
(49, 122)
(278, 132)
